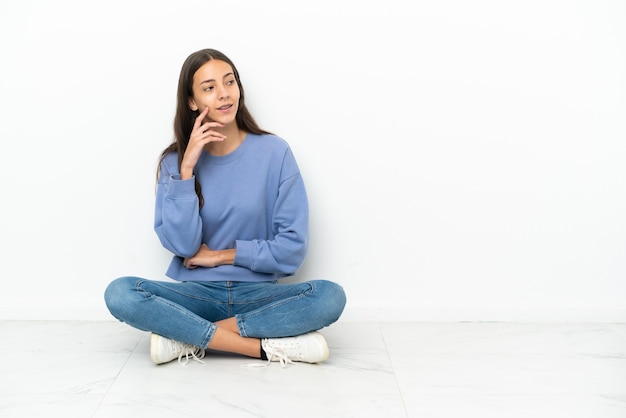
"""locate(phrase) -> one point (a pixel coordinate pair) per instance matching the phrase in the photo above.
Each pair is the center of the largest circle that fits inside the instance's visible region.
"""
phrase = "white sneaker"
(164, 350)
(307, 348)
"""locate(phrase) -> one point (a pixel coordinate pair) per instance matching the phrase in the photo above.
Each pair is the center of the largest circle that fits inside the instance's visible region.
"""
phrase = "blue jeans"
(186, 311)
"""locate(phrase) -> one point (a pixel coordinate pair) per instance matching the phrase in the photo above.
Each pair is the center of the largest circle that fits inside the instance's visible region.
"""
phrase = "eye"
(230, 82)
(208, 88)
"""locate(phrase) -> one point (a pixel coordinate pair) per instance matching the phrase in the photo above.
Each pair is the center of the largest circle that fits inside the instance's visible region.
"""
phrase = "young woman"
(231, 206)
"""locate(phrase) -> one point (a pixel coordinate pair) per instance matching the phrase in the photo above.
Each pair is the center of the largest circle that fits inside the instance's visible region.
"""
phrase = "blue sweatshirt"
(254, 201)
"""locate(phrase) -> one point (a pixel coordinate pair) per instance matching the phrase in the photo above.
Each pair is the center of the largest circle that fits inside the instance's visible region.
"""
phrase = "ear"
(192, 104)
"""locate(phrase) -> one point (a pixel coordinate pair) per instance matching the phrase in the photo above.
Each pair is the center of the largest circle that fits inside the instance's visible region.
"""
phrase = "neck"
(234, 138)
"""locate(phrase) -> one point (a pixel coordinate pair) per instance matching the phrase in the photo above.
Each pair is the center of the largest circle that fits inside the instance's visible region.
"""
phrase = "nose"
(222, 93)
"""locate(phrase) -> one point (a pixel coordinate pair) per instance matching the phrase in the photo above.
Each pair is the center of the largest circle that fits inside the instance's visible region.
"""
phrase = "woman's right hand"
(201, 134)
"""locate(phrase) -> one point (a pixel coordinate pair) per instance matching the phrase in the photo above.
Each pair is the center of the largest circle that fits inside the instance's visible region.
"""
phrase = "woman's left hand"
(206, 257)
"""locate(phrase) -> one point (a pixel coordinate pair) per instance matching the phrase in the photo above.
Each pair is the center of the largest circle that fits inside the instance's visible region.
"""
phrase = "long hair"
(185, 117)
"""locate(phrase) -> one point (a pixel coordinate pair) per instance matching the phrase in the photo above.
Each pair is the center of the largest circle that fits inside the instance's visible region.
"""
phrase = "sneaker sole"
(325, 352)
(154, 348)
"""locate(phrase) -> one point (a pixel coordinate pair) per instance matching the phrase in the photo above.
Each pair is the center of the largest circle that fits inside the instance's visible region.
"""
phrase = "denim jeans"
(186, 311)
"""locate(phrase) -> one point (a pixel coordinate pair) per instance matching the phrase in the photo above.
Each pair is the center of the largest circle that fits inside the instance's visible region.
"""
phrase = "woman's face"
(215, 87)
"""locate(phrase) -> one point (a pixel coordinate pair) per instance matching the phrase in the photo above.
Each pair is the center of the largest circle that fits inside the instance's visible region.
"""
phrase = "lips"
(225, 107)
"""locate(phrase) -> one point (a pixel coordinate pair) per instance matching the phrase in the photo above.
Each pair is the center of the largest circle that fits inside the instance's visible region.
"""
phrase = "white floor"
(504, 370)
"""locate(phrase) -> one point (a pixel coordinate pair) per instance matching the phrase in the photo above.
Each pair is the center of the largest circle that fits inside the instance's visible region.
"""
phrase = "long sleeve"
(285, 252)
(177, 219)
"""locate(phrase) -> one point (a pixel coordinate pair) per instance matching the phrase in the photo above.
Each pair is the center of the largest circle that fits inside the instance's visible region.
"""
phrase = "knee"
(334, 299)
(117, 293)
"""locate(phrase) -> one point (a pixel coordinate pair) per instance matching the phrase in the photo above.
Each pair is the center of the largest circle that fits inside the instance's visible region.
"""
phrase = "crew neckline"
(230, 157)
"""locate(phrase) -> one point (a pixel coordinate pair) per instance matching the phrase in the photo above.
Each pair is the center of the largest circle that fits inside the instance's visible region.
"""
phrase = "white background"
(465, 160)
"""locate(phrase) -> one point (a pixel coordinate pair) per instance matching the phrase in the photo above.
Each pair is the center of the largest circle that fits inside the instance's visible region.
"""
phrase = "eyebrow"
(211, 80)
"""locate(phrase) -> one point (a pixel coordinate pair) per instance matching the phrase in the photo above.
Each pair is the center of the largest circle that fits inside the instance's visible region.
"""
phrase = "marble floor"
(414, 369)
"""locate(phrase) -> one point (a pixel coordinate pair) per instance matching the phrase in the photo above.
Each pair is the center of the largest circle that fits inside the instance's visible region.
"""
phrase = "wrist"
(227, 256)
(186, 173)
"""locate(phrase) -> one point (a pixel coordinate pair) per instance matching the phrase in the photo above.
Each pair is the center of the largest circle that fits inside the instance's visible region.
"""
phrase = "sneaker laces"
(188, 350)
(273, 354)
(280, 352)
(280, 355)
